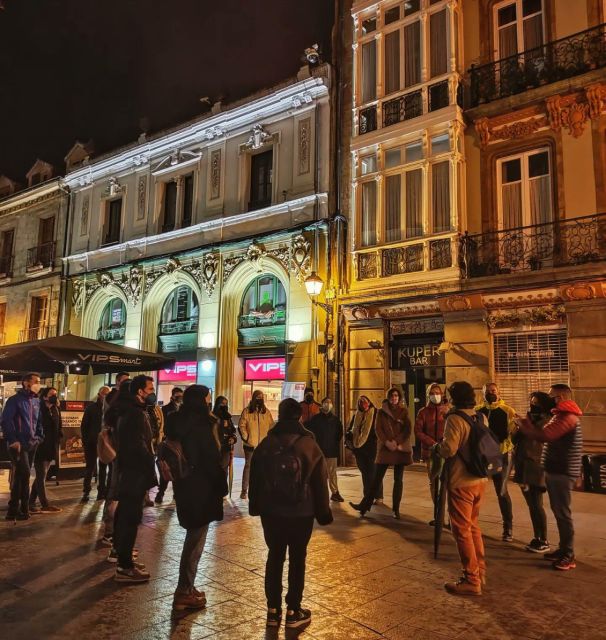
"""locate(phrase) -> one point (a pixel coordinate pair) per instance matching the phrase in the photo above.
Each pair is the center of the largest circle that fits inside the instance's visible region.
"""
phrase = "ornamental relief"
(548, 314)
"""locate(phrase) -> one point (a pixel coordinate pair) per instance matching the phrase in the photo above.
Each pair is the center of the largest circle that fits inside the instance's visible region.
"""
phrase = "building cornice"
(30, 197)
(293, 98)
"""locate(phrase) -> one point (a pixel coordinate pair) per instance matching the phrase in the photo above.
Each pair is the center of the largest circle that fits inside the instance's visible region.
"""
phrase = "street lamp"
(314, 285)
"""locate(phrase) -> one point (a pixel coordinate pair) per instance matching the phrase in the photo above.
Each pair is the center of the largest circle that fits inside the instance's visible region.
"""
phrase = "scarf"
(362, 425)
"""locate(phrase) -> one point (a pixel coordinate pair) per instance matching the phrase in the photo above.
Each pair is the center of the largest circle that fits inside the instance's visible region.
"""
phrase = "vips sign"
(265, 369)
(413, 355)
(180, 372)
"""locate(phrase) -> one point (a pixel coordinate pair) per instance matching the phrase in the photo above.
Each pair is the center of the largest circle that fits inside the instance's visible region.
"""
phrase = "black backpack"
(284, 479)
(483, 457)
(172, 462)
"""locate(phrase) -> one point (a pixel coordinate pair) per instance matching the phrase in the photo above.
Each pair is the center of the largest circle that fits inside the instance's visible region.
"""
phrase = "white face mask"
(35, 388)
(435, 398)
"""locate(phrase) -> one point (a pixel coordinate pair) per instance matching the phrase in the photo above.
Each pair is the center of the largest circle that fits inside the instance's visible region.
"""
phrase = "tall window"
(525, 189)
(113, 322)
(438, 43)
(261, 169)
(181, 306)
(518, 27)
(46, 230)
(263, 303)
(440, 196)
(113, 221)
(6, 251)
(38, 313)
(369, 71)
(368, 210)
(402, 57)
(169, 206)
(188, 200)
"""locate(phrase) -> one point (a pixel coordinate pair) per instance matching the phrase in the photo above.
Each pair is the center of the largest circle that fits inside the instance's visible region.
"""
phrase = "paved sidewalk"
(367, 578)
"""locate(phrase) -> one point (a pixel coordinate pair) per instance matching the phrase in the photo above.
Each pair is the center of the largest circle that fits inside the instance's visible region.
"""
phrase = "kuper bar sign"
(413, 355)
(265, 369)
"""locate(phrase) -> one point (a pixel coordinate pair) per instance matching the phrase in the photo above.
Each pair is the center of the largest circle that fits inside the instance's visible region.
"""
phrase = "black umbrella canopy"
(54, 354)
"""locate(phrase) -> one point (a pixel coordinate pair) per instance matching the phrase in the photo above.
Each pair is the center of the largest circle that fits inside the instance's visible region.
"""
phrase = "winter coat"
(90, 427)
(254, 426)
(199, 496)
(171, 407)
(328, 432)
(226, 431)
(393, 423)
(136, 462)
(48, 449)
(527, 456)
(563, 439)
(429, 426)
(156, 421)
(501, 421)
(369, 448)
(21, 420)
(309, 409)
(313, 470)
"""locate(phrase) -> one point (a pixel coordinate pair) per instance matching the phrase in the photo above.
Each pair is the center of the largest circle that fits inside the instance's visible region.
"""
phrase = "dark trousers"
(398, 486)
(22, 465)
(127, 520)
(90, 455)
(280, 534)
(559, 488)
(39, 486)
(162, 483)
(366, 465)
(504, 500)
(534, 500)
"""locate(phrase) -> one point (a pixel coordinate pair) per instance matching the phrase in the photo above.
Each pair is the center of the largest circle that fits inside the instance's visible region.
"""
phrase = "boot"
(398, 488)
(462, 587)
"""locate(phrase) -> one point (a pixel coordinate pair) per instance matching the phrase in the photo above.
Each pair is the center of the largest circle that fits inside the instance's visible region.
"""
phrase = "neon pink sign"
(180, 372)
(265, 369)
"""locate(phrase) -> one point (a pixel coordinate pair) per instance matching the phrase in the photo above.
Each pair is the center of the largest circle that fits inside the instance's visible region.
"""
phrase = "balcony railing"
(38, 333)
(422, 254)
(560, 243)
(557, 60)
(111, 334)
(408, 105)
(6, 267)
(41, 256)
(181, 326)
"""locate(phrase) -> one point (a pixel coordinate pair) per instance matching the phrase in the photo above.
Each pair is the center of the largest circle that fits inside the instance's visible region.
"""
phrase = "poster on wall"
(71, 450)
(294, 390)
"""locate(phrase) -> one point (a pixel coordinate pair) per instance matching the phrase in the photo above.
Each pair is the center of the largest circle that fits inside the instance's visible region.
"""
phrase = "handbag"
(105, 448)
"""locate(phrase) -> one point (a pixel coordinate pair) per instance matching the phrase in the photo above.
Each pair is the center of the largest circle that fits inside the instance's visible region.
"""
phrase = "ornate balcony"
(412, 256)
(38, 333)
(41, 257)
(112, 334)
(181, 335)
(568, 242)
(557, 60)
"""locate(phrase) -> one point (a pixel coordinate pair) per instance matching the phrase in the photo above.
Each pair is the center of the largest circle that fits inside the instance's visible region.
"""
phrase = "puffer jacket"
(429, 426)
(393, 423)
(501, 421)
(21, 421)
(254, 426)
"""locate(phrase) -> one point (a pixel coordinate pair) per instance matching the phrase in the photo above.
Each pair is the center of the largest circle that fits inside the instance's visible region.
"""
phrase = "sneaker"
(552, 556)
(274, 617)
(507, 535)
(337, 497)
(159, 497)
(51, 509)
(182, 601)
(107, 541)
(297, 618)
(244, 495)
(565, 564)
(396, 515)
(462, 587)
(132, 575)
(537, 546)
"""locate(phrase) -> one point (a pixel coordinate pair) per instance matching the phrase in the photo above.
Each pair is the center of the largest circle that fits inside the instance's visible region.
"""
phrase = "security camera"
(445, 347)
(312, 54)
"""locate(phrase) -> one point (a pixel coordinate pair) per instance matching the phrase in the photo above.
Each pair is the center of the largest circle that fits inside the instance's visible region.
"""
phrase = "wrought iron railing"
(41, 256)
(112, 333)
(262, 319)
(556, 60)
(367, 119)
(560, 243)
(38, 333)
(181, 326)
(6, 266)
(405, 107)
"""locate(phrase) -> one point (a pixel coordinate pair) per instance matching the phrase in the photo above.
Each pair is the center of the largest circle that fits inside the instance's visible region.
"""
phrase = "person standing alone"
(328, 431)
(90, 428)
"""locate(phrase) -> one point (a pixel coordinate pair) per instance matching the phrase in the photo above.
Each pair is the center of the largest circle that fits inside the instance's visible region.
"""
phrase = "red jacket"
(309, 409)
(429, 426)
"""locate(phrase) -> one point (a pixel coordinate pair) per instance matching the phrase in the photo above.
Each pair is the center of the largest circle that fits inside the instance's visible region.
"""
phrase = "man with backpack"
(472, 453)
(288, 489)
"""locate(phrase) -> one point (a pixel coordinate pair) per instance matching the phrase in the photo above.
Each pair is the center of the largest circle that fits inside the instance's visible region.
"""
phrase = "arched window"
(262, 318)
(178, 328)
(113, 322)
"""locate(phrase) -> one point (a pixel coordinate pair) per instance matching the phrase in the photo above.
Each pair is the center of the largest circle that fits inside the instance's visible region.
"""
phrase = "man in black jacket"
(136, 465)
(288, 490)
(328, 431)
(176, 400)
(90, 428)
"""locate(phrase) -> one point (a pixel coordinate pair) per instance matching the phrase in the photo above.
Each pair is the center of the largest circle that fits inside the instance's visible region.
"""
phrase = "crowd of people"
(132, 445)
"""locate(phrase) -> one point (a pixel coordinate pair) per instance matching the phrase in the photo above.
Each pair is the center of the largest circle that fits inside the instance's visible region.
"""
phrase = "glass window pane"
(440, 144)
(393, 216)
(368, 164)
(412, 54)
(512, 171)
(414, 203)
(369, 25)
(440, 196)
(507, 14)
(369, 71)
(393, 157)
(369, 213)
(530, 6)
(438, 43)
(392, 15)
(414, 151)
(538, 164)
(392, 62)
(411, 6)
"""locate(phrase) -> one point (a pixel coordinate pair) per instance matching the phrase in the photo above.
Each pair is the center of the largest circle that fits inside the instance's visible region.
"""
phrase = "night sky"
(92, 69)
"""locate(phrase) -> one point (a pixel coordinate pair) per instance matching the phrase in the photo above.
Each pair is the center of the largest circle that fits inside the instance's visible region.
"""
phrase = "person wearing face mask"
(22, 429)
(309, 407)
(393, 429)
(226, 431)
(328, 431)
(90, 428)
(429, 428)
(501, 421)
(529, 473)
(137, 474)
(256, 420)
(176, 400)
(362, 440)
(47, 451)
(156, 421)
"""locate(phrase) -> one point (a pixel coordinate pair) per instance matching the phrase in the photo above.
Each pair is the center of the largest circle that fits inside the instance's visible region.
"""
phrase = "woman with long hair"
(256, 420)
(226, 429)
(199, 495)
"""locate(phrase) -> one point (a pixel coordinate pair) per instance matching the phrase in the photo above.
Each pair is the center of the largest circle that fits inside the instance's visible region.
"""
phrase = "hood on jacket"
(567, 406)
(491, 405)
(387, 408)
(290, 426)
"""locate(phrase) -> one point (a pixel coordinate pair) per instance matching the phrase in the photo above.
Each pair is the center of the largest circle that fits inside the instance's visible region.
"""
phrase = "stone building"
(196, 242)
(32, 236)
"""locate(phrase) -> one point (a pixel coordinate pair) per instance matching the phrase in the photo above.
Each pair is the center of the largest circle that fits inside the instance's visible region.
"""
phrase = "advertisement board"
(265, 369)
(71, 449)
(294, 390)
(180, 372)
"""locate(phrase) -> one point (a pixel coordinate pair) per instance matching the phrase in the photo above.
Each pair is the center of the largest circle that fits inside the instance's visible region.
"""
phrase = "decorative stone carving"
(258, 137)
(483, 131)
(282, 255)
(304, 146)
(548, 314)
(131, 285)
(580, 291)
(90, 287)
(78, 292)
(368, 266)
(536, 297)
(113, 188)
(595, 99)
(458, 303)
(554, 112)
(214, 132)
(403, 310)
(84, 215)
(575, 117)
(255, 255)
(105, 279)
(215, 174)
(519, 129)
(300, 99)
(229, 264)
(194, 268)
(210, 272)
(413, 327)
(176, 158)
(141, 196)
(150, 278)
(300, 257)
(172, 265)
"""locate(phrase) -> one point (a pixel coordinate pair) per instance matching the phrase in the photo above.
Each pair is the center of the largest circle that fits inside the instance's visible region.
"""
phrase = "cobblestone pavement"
(366, 579)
